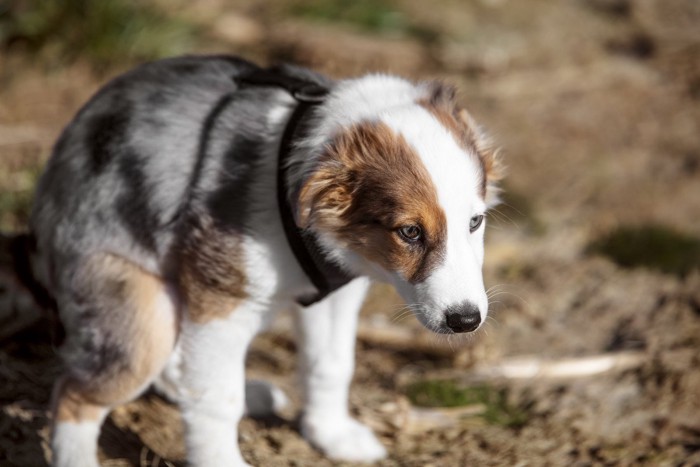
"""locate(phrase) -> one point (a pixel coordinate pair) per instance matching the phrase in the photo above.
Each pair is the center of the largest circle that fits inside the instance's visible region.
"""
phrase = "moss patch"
(437, 393)
(650, 246)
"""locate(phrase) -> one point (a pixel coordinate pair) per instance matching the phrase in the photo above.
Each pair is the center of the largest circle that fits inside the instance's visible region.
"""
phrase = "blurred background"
(591, 355)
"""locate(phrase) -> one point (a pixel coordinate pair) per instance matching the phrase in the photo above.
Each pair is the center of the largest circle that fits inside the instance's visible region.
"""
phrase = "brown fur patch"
(136, 341)
(73, 405)
(211, 276)
(368, 184)
(441, 103)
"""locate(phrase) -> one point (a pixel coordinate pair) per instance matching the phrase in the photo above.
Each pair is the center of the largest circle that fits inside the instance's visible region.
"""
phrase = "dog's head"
(401, 195)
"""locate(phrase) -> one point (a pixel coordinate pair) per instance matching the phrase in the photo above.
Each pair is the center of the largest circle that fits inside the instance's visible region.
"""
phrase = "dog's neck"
(323, 271)
(326, 275)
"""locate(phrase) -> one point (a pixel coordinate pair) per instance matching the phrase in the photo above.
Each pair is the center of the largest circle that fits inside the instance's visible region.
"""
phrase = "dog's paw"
(343, 439)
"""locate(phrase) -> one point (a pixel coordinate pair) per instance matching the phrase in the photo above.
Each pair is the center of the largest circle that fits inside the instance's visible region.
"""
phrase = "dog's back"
(122, 169)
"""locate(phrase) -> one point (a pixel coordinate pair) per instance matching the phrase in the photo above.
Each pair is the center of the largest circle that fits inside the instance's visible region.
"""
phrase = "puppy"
(192, 197)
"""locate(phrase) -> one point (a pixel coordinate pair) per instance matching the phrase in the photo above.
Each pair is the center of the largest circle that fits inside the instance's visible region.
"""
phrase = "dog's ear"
(495, 172)
(490, 156)
(441, 95)
(324, 196)
(441, 99)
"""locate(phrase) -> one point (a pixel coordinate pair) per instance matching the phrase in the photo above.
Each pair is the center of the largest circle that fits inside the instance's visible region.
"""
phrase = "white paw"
(343, 439)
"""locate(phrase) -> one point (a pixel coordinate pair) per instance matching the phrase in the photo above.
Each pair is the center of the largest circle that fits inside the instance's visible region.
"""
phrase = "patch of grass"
(650, 246)
(374, 16)
(437, 393)
(104, 31)
(434, 393)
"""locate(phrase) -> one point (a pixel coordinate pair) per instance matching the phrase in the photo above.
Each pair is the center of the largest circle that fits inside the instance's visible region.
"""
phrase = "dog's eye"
(475, 222)
(411, 233)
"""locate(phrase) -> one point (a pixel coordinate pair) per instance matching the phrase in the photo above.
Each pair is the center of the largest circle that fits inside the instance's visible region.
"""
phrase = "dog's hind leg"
(328, 333)
(122, 326)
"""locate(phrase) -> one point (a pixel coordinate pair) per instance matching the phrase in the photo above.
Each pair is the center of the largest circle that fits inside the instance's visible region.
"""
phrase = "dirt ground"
(596, 104)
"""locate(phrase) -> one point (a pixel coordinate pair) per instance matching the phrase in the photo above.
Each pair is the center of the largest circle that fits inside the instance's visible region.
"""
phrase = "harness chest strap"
(324, 274)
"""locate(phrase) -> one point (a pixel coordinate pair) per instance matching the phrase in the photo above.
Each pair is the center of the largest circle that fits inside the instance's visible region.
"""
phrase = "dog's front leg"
(327, 332)
(212, 393)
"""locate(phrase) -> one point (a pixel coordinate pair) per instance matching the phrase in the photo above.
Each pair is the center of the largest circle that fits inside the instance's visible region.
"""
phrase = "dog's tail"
(23, 300)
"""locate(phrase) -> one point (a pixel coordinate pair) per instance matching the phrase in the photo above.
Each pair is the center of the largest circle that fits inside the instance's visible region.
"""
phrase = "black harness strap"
(324, 274)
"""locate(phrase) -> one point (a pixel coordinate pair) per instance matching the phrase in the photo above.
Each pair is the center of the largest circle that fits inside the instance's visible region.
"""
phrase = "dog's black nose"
(463, 318)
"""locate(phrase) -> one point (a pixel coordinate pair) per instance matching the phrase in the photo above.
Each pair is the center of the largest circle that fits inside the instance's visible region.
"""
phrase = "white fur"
(78, 442)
